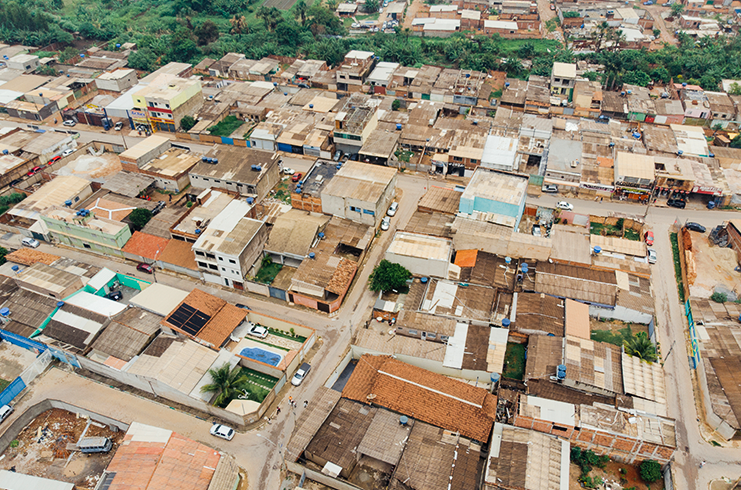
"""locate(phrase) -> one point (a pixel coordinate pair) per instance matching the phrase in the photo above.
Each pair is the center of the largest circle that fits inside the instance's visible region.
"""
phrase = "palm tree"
(301, 11)
(239, 25)
(641, 347)
(228, 382)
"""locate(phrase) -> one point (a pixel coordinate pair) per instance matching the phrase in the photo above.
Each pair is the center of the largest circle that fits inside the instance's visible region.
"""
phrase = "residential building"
(170, 170)
(674, 175)
(421, 255)
(354, 69)
(563, 80)
(360, 192)
(356, 118)
(722, 108)
(587, 99)
(495, 197)
(564, 165)
(84, 230)
(381, 76)
(230, 245)
(116, 81)
(165, 101)
(244, 171)
(24, 62)
(144, 152)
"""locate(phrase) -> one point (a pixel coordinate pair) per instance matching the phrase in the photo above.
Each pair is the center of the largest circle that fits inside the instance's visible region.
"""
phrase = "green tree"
(388, 275)
(719, 297)
(69, 53)
(270, 17)
(187, 123)
(640, 346)
(591, 75)
(571, 15)
(650, 469)
(227, 382)
(372, 6)
(183, 46)
(736, 142)
(551, 24)
(301, 9)
(660, 74)
(735, 89)
(206, 33)
(143, 59)
(3, 253)
(526, 51)
(636, 77)
(140, 217)
(657, 33)
(395, 105)
(676, 8)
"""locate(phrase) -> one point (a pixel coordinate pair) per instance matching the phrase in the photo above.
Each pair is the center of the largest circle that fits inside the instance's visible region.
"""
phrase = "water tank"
(60, 304)
(629, 92)
(68, 203)
(250, 200)
(684, 84)
(321, 234)
(468, 75)
(258, 168)
(215, 160)
(204, 159)
(597, 249)
(506, 323)
(508, 260)
(15, 268)
(506, 84)
(403, 420)
(82, 55)
(398, 127)
(5, 152)
(561, 372)
(311, 106)
(118, 45)
(338, 166)
(423, 280)
(198, 231)
(712, 155)
(622, 93)
(475, 123)
(275, 84)
(312, 255)
(637, 135)
(524, 267)
(679, 152)
(612, 144)
(4, 311)
(495, 377)
(285, 93)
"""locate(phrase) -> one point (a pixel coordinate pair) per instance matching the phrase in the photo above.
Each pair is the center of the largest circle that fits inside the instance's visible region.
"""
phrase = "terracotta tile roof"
(341, 277)
(145, 245)
(423, 395)
(179, 253)
(466, 258)
(28, 256)
(179, 464)
(223, 317)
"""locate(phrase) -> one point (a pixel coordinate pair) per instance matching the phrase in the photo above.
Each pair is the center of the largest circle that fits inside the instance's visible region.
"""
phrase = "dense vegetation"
(189, 30)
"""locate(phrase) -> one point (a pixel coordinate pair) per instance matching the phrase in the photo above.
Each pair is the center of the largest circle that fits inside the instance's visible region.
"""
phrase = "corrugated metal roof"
(643, 379)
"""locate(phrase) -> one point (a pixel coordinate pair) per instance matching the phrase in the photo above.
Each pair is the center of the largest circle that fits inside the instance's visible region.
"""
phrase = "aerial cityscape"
(370, 245)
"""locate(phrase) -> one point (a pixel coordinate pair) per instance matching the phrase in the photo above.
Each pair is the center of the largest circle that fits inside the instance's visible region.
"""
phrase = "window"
(223, 269)
(199, 253)
(457, 159)
(369, 211)
(202, 264)
(431, 335)
(221, 259)
(473, 160)
(167, 105)
(354, 209)
(232, 261)
(413, 332)
(210, 256)
(557, 80)
(213, 267)
(217, 181)
(86, 245)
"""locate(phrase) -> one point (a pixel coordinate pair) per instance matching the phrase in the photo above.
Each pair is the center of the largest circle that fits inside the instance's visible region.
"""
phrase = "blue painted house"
(495, 197)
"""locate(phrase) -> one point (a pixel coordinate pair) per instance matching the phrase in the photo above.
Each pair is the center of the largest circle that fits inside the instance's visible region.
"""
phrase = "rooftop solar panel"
(188, 319)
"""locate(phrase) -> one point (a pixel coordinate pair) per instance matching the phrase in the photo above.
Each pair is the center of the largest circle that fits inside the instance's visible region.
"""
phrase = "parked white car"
(288, 171)
(258, 331)
(385, 223)
(222, 431)
(67, 152)
(393, 208)
(651, 256)
(565, 206)
(5, 411)
(30, 242)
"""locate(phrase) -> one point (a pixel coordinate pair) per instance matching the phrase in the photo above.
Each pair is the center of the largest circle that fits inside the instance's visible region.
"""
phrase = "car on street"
(296, 177)
(393, 208)
(300, 374)
(649, 237)
(676, 203)
(69, 123)
(258, 331)
(565, 206)
(288, 171)
(553, 7)
(550, 188)
(244, 307)
(691, 225)
(33, 171)
(385, 223)
(67, 152)
(53, 160)
(30, 242)
(118, 126)
(5, 410)
(142, 267)
(651, 255)
(222, 431)
(115, 295)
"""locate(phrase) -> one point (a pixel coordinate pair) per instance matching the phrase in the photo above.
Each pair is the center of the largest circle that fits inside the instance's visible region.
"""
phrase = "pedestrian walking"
(290, 400)
(702, 463)
(306, 403)
(277, 411)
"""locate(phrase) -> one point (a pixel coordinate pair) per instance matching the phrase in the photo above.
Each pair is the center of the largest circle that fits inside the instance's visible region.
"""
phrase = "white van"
(89, 445)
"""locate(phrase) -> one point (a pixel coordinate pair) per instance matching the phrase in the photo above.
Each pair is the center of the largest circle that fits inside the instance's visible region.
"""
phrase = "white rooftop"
(97, 304)
(564, 70)
(158, 298)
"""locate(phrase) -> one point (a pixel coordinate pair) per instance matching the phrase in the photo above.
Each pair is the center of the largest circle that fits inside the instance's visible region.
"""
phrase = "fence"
(20, 383)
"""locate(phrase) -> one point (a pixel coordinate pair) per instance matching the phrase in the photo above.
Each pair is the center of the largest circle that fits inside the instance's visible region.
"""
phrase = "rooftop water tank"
(403, 420)
(214, 160)
(118, 45)
(312, 255)
(524, 267)
(684, 84)
(68, 203)
(15, 268)
(321, 234)
(398, 127)
(4, 311)
(597, 249)
(198, 231)
(712, 155)
(506, 323)
(311, 106)
(495, 377)
(423, 280)
(508, 260)
(561, 372)
(506, 84)
(204, 159)
(679, 152)
(637, 135)
(5, 152)
(258, 168)
(250, 200)
(60, 304)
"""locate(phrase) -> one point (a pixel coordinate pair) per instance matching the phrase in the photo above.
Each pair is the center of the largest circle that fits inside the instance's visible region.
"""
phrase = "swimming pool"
(262, 355)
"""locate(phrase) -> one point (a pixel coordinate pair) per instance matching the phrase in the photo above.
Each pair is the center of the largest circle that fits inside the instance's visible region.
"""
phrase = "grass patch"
(632, 235)
(226, 127)
(514, 361)
(596, 228)
(259, 378)
(267, 272)
(286, 335)
(715, 443)
(611, 337)
(404, 155)
(677, 266)
(3, 384)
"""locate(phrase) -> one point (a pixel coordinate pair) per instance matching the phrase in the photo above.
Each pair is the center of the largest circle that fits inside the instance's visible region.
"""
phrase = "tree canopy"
(650, 471)
(641, 346)
(140, 217)
(388, 276)
(227, 382)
